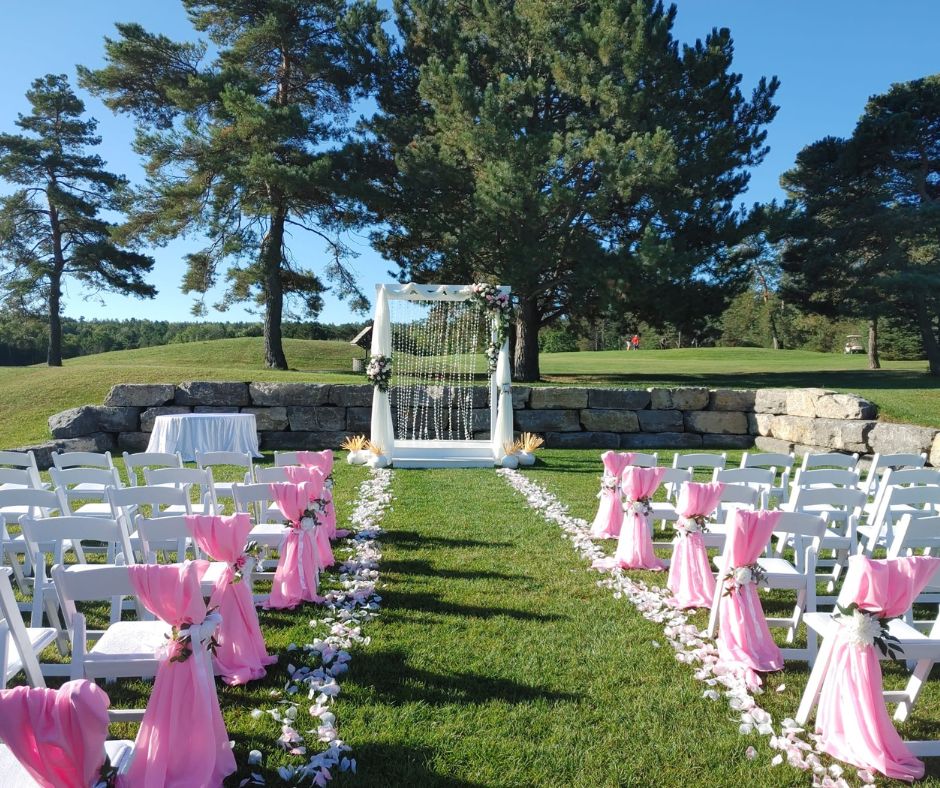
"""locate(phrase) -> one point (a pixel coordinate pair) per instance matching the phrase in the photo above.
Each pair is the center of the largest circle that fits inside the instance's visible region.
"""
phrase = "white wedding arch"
(425, 354)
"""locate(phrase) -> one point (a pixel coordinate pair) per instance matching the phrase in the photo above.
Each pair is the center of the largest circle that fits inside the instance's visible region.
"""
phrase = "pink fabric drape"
(324, 461)
(609, 517)
(690, 575)
(743, 636)
(182, 741)
(57, 735)
(295, 579)
(241, 655)
(302, 473)
(635, 545)
(851, 719)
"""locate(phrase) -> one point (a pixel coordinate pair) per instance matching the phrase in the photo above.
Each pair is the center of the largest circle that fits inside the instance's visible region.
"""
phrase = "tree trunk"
(528, 320)
(873, 361)
(271, 256)
(931, 346)
(54, 354)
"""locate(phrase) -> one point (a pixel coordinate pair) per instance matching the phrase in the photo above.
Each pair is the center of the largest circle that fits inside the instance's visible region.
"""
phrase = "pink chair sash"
(324, 461)
(743, 636)
(302, 473)
(635, 545)
(609, 517)
(182, 740)
(241, 655)
(57, 735)
(690, 575)
(852, 721)
(295, 578)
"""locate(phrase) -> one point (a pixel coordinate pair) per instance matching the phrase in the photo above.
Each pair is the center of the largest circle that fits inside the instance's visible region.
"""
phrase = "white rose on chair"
(641, 506)
(740, 576)
(862, 629)
(743, 575)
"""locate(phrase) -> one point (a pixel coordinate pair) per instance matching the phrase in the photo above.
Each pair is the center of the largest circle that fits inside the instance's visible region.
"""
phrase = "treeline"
(23, 340)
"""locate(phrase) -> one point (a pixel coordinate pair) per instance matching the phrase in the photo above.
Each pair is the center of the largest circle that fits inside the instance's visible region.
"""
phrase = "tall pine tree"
(243, 148)
(573, 151)
(51, 227)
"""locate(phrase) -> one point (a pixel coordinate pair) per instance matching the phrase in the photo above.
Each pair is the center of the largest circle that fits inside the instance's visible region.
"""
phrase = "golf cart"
(853, 344)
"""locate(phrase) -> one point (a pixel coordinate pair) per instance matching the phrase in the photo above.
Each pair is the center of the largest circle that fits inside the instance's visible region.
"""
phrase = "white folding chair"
(841, 508)
(56, 535)
(835, 459)
(214, 459)
(269, 528)
(733, 496)
(638, 459)
(783, 463)
(18, 479)
(88, 486)
(270, 475)
(155, 532)
(920, 648)
(14, 503)
(665, 511)
(189, 479)
(918, 536)
(698, 461)
(760, 479)
(904, 477)
(127, 502)
(82, 459)
(916, 501)
(20, 646)
(149, 459)
(881, 463)
(126, 648)
(282, 458)
(799, 575)
(24, 461)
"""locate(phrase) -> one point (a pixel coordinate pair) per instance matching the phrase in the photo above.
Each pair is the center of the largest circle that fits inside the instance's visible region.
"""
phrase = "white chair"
(57, 535)
(88, 486)
(20, 646)
(904, 477)
(880, 463)
(271, 475)
(282, 458)
(733, 496)
(269, 528)
(841, 508)
(913, 646)
(214, 459)
(673, 479)
(760, 479)
(127, 502)
(17, 479)
(783, 463)
(14, 503)
(824, 477)
(638, 459)
(915, 501)
(23, 460)
(918, 536)
(82, 459)
(196, 482)
(835, 459)
(126, 648)
(799, 575)
(698, 461)
(149, 459)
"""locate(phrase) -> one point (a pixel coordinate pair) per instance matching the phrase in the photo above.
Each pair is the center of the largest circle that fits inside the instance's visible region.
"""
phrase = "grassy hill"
(29, 395)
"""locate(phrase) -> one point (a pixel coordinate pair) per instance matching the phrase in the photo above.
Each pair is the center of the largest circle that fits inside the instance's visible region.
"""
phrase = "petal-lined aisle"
(497, 660)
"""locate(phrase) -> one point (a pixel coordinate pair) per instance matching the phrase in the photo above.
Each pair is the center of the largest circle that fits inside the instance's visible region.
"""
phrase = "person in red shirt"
(635, 342)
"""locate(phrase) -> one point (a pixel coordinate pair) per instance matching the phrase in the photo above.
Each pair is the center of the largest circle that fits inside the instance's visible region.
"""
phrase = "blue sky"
(830, 57)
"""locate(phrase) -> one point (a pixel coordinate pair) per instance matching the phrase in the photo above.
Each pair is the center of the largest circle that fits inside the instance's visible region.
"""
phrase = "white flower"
(306, 523)
(742, 575)
(861, 628)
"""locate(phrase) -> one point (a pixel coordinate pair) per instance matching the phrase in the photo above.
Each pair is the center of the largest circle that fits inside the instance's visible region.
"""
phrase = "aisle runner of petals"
(346, 609)
(692, 646)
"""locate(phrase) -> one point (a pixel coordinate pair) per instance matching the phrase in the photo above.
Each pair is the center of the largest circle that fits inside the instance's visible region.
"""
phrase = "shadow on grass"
(426, 568)
(392, 680)
(382, 764)
(874, 379)
(411, 539)
(432, 603)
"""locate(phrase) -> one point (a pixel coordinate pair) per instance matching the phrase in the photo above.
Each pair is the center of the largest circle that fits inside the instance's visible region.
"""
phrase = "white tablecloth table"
(187, 432)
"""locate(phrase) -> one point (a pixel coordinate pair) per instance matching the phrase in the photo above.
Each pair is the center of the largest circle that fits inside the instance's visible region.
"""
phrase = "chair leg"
(912, 690)
(814, 685)
(797, 614)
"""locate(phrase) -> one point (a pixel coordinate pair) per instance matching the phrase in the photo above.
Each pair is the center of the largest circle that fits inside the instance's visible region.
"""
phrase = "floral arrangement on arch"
(499, 306)
(379, 371)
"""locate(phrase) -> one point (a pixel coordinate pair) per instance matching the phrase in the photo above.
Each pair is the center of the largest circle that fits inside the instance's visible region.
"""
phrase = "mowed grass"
(29, 395)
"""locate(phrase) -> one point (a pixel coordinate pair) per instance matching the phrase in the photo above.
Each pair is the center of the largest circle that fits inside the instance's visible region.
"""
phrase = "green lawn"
(29, 395)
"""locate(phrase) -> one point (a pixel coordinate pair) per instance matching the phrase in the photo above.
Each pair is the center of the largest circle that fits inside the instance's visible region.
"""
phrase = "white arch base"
(438, 453)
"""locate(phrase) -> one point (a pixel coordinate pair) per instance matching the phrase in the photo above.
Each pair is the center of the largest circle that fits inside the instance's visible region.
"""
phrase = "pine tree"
(50, 227)
(245, 148)
(573, 151)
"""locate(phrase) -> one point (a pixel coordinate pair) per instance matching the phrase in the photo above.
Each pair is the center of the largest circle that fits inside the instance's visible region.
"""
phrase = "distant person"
(635, 342)
(662, 343)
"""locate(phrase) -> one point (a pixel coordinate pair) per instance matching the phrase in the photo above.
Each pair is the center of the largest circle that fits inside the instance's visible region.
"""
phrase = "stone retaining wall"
(320, 415)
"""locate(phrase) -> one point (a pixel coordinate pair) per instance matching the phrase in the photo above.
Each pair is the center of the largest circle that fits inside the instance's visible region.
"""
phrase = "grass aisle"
(497, 661)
